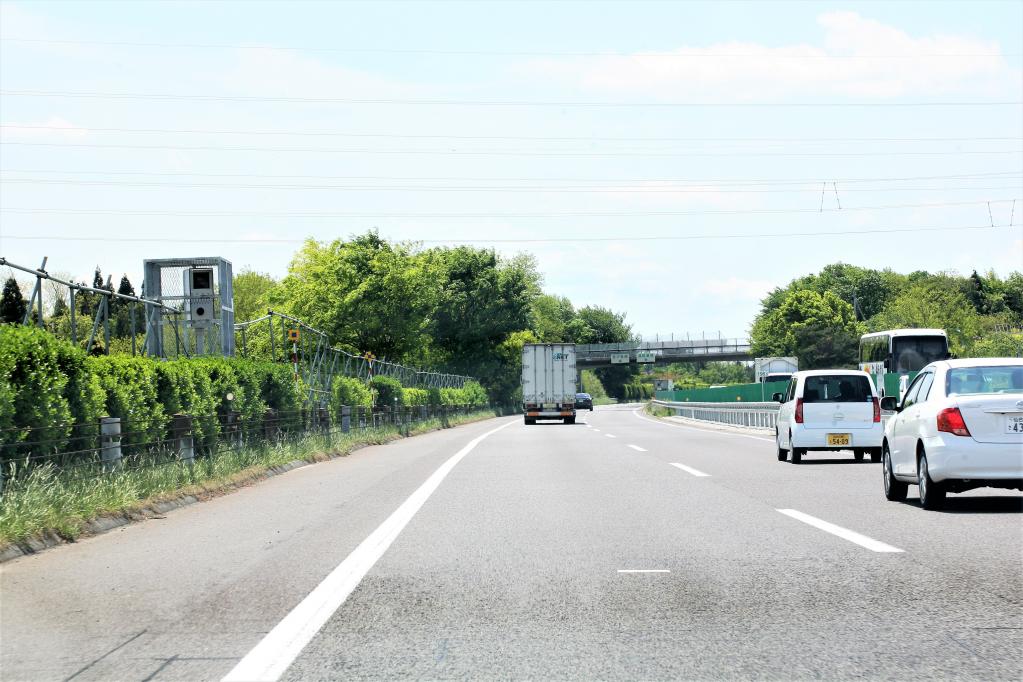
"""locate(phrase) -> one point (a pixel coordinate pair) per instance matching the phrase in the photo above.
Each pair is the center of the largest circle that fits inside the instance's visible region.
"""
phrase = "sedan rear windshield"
(967, 380)
(838, 388)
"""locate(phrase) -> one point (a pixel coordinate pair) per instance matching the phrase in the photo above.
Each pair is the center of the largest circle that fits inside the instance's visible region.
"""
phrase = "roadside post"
(181, 426)
(110, 430)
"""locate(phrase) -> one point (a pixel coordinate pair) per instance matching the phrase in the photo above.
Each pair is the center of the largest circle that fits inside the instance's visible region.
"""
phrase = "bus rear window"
(838, 388)
(913, 353)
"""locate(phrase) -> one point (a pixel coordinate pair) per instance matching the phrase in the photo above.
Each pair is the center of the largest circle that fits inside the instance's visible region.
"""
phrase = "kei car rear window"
(838, 388)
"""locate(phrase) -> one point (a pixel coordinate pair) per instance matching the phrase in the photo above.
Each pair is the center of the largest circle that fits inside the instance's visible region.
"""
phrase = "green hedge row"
(52, 394)
(638, 392)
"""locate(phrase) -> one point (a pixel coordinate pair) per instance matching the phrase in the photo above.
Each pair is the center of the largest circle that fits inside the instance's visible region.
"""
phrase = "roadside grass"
(657, 410)
(51, 500)
(604, 400)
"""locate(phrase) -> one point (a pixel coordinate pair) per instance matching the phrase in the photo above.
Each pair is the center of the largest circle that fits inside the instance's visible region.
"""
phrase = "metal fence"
(318, 362)
(97, 309)
(115, 446)
(747, 415)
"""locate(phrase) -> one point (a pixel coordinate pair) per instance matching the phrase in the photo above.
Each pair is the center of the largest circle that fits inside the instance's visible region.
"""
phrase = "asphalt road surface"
(618, 548)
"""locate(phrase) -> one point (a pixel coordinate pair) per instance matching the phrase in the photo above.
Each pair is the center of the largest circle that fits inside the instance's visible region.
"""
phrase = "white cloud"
(54, 127)
(289, 74)
(737, 71)
(736, 288)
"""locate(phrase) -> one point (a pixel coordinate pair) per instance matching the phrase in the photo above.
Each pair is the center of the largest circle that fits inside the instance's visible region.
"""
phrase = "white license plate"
(1014, 424)
(837, 440)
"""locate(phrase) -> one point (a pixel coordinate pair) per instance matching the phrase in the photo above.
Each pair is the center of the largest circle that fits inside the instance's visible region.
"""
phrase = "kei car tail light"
(950, 420)
(877, 411)
(799, 410)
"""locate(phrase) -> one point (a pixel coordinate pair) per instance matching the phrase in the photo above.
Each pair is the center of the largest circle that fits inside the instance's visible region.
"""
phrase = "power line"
(523, 138)
(495, 152)
(523, 240)
(506, 189)
(697, 181)
(511, 53)
(544, 215)
(484, 103)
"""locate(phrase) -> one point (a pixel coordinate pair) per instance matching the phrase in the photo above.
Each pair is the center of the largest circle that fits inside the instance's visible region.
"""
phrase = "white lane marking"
(637, 448)
(696, 428)
(643, 570)
(844, 533)
(689, 470)
(597, 430)
(269, 659)
(610, 435)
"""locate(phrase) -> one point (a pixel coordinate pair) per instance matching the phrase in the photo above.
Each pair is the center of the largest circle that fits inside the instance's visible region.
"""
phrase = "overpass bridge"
(661, 352)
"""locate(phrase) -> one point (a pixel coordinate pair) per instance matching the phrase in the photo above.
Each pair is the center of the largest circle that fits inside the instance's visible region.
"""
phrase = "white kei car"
(829, 409)
(959, 427)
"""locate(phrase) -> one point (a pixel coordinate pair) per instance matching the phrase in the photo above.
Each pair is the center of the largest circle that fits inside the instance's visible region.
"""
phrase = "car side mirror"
(890, 403)
(778, 398)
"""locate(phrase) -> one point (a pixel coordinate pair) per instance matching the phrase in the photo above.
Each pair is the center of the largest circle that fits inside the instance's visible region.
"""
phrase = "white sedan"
(959, 427)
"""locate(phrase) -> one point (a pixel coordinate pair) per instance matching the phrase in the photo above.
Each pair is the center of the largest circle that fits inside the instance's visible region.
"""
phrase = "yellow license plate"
(837, 440)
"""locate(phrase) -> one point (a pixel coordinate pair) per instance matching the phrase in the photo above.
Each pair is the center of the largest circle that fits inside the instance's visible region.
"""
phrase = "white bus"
(901, 352)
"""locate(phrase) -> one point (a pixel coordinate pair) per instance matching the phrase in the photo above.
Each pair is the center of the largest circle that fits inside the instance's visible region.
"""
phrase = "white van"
(829, 409)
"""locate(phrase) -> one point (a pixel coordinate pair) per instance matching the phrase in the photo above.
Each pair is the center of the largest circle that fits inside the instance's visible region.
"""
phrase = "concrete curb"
(154, 510)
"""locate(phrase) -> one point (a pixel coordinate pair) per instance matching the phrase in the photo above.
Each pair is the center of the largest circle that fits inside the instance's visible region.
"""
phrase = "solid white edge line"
(689, 470)
(844, 533)
(696, 428)
(643, 570)
(637, 448)
(278, 649)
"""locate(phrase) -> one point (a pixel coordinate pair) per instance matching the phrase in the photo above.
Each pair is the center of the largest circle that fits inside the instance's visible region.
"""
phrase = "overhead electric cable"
(565, 189)
(523, 240)
(497, 152)
(523, 138)
(767, 54)
(484, 103)
(615, 181)
(544, 215)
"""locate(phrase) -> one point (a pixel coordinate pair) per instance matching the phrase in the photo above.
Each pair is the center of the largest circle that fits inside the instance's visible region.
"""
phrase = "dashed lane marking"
(689, 470)
(637, 448)
(844, 533)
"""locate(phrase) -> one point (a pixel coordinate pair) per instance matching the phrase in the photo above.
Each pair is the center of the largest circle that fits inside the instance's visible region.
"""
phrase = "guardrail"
(747, 415)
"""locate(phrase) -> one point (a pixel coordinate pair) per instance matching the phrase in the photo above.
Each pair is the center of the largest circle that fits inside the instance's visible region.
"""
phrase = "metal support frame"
(102, 311)
(321, 362)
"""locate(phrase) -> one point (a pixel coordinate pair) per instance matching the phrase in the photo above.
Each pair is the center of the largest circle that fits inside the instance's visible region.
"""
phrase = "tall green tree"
(251, 292)
(12, 305)
(482, 301)
(595, 324)
(365, 293)
(936, 302)
(121, 310)
(820, 329)
(552, 318)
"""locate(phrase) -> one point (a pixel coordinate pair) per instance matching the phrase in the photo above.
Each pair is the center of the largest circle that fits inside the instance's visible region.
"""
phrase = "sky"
(673, 161)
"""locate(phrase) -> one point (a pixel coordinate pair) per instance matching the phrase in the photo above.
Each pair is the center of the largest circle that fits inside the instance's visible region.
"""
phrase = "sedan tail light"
(877, 411)
(799, 410)
(950, 420)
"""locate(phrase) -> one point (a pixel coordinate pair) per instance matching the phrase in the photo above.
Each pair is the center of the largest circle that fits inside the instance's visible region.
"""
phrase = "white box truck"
(549, 382)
